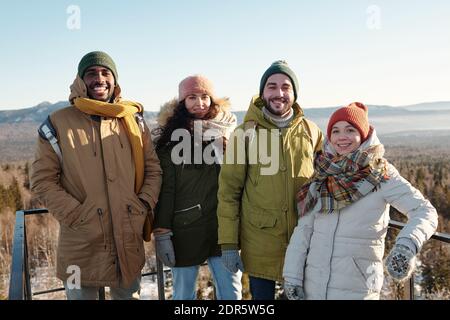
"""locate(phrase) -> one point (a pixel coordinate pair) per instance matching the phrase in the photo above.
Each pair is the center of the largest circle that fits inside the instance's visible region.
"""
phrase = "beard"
(278, 111)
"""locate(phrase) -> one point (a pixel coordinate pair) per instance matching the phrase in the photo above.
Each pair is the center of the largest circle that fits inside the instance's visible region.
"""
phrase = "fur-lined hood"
(167, 109)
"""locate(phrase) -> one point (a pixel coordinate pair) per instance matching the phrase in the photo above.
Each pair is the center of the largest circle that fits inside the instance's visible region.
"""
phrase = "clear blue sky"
(335, 47)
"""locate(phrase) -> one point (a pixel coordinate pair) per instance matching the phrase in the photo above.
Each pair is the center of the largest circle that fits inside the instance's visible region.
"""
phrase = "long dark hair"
(181, 119)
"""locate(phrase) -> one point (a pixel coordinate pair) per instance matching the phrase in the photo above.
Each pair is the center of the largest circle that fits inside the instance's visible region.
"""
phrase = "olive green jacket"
(257, 210)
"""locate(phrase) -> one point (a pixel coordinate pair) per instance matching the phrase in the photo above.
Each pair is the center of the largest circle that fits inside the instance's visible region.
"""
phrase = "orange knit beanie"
(356, 114)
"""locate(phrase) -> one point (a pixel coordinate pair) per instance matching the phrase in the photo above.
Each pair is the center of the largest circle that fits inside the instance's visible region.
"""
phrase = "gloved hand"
(293, 291)
(232, 260)
(164, 248)
(401, 262)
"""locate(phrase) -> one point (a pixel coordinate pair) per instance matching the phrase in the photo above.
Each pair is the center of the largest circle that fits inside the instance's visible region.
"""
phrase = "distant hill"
(380, 111)
(406, 124)
(40, 112)
(387, 119)
(37, 113)
(443, 105)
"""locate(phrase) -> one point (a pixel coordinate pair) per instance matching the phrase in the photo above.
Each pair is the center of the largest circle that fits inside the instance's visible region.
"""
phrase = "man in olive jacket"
(98, 174)
(257, 209)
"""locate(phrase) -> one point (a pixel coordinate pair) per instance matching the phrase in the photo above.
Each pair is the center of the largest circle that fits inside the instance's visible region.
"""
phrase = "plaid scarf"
(339, 181)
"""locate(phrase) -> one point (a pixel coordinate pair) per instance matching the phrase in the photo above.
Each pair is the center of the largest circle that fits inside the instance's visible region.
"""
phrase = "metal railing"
(20, 288)
(19, 285)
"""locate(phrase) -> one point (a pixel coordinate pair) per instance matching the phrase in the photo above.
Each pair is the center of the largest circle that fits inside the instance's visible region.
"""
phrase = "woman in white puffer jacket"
(336, 250)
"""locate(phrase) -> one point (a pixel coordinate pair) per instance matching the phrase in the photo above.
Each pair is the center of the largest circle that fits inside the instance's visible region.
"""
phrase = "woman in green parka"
(190, 141)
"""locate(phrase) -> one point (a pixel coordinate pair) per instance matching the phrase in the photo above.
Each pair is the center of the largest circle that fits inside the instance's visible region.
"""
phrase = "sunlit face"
(278, 94)
(100, 83)
(198, 104)
(344, 138)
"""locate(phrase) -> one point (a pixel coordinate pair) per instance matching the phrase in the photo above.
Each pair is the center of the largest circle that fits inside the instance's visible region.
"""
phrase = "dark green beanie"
(279, 66)
(97, 58)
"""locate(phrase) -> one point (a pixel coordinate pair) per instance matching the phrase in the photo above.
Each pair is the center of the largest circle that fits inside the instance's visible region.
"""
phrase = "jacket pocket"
(137, 207)
(135, 210)
(262, 221)
(133, 244)
(262, 235)
(370, 273)
(81, 214)
(187, 216)
(359, 270)
(136, 218)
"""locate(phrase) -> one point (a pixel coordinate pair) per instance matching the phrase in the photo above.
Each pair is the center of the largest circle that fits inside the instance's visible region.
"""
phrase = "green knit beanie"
(279, 66)
(97, 58)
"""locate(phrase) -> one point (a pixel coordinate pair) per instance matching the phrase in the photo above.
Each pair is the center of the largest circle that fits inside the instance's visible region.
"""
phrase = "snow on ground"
(44, 279)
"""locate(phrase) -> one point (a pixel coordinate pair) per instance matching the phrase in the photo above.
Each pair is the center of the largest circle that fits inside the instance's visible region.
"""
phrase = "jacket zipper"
(190, 208)
(100, 216)
(105, 179)
(286, 182)
(331, 255)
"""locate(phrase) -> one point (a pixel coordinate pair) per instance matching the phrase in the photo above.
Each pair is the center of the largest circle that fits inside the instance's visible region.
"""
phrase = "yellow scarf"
(124, 110)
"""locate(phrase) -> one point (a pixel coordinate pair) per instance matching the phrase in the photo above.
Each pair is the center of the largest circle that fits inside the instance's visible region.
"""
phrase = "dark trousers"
(262, 289)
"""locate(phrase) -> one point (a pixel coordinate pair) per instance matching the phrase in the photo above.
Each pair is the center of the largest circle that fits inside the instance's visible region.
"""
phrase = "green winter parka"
(257, 209)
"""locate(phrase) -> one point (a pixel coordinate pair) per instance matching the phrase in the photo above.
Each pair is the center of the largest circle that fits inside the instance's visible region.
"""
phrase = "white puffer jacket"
(339, 255)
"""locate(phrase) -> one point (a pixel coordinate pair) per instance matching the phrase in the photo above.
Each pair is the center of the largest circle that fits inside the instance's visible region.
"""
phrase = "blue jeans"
(91, 293)
(262, 289)
(228, 285)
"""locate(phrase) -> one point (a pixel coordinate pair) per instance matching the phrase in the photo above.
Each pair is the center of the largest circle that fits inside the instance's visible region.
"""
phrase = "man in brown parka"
(101, 181)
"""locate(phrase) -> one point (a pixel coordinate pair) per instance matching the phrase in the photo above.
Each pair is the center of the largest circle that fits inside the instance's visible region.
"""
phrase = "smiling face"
(100, 83)
(344, 138)
(198, 104)
(278, 94)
